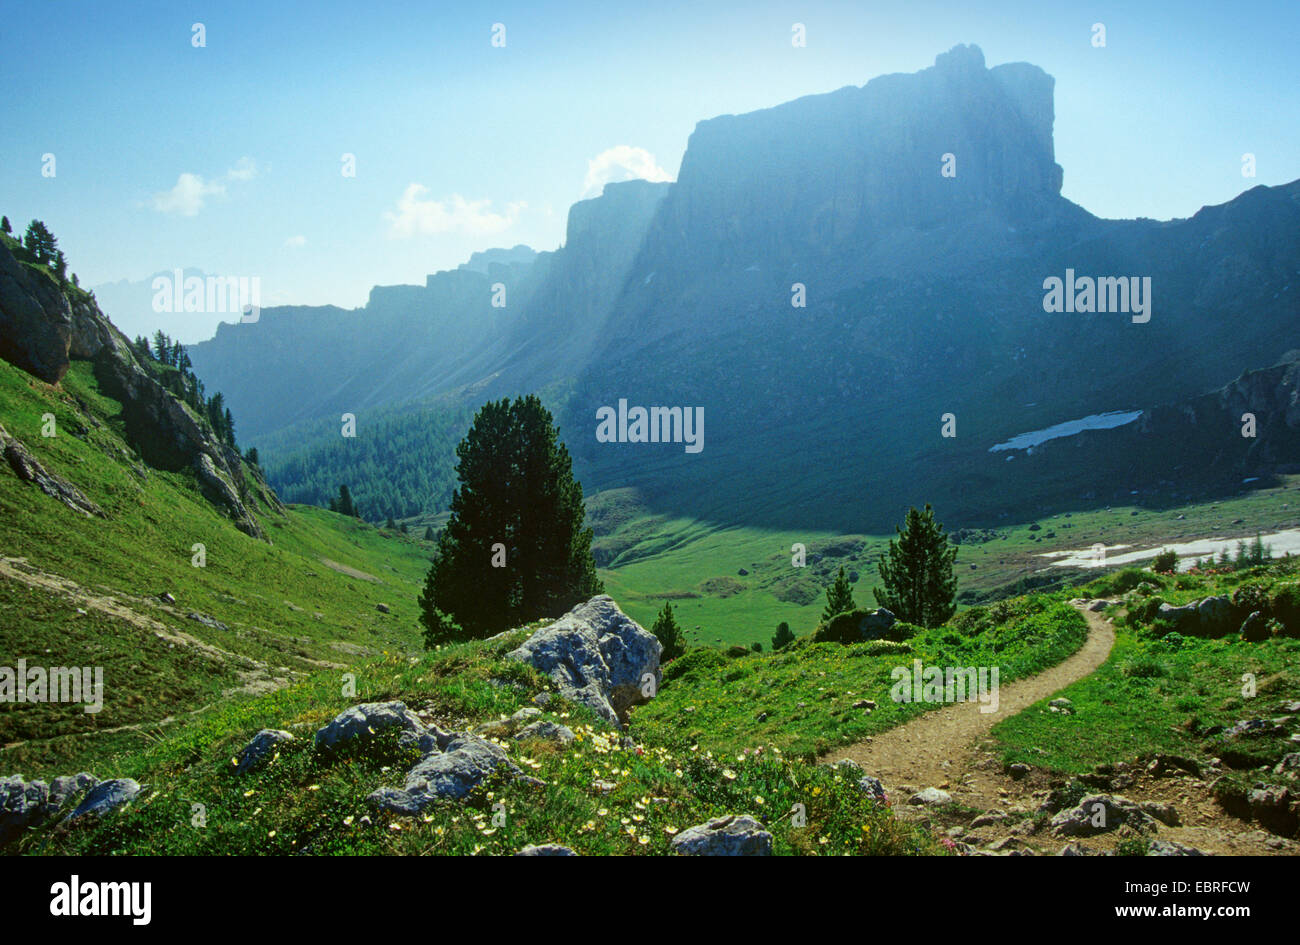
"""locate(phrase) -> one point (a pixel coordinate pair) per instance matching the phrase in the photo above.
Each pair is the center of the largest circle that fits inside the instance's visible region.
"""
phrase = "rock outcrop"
(451, 774)
(599, 656)
(363, 723)
(259, 748)
(1101, 813)
(44, 326)
(35, 320)
(29, 469)
(28, 804)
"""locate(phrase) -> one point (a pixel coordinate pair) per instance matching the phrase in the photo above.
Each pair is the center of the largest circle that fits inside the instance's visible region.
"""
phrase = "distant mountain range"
(918, 219)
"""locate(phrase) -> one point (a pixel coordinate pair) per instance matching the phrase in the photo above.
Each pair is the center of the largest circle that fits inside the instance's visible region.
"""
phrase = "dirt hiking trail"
(939, 748)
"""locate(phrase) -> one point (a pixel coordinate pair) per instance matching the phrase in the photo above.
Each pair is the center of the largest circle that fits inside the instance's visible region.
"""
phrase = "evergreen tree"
(428, 533)
(228, 428)
(783, 637)
(669, 633)
(515, 548)
(916, 574)
(5, 226)
(251, 456)
(839, 596)
(162, 348)
(345, 505)
(40, 242)
(390, 524)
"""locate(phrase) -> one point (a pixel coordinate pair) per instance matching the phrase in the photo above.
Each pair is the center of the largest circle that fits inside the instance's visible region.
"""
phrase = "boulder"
(262, 745)
(874, 787)
(548, 731)
(546, 849)
(1289, 765)
(877, 623)
(1101, 813)
(1211, 617)
(1255, 627)
(1167, 766)
(363, 722)
(1171, 848)
(1271, 807)
(598, 656)
(731, 835)
(105, 797)
(929, 797)
(28, 804)
(452, 774)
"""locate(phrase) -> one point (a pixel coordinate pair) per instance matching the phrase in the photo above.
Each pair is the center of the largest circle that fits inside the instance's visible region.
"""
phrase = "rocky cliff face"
(819, 174)
(43, 328)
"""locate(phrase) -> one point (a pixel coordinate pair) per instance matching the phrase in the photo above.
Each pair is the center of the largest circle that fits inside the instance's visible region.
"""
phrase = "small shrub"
(1166, 562)
(1143, 611)
(1284, 607)
(1144, 667)
(699, 659)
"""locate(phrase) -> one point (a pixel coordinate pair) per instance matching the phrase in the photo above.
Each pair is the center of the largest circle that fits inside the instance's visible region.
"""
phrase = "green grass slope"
(86, 591)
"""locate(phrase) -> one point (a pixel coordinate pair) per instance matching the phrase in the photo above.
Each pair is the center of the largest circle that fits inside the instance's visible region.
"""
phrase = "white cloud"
(296, 241)
(187, 197)
(245, 169)
(418, 216)
(191, 191)
(619, 163)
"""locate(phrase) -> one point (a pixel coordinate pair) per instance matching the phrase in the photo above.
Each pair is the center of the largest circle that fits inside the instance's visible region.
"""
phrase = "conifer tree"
(669, 633)
(916, 573)
(839, 596)
(515, 548)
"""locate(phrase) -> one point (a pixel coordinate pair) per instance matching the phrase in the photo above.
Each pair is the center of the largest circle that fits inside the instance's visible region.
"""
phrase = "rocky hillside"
(45, 325)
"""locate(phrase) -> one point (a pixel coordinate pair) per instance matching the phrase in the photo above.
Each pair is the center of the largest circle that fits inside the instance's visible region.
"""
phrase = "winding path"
(941, 748)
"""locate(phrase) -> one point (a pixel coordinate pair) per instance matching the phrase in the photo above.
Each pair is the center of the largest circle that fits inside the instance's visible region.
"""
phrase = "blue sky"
(227, 158)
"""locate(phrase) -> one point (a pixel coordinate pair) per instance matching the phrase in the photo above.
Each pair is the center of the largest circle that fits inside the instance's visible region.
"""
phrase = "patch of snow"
(1097, 421)
(1189, 552)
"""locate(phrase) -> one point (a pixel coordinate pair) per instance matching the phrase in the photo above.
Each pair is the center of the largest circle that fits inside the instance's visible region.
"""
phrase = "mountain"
(920, 218)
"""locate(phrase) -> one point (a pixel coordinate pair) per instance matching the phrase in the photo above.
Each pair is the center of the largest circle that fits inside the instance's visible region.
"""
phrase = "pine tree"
(518, 501)
(40, 242)
(228, 427)
(345, 504)
(839, 597)
(390, 524)
(428, 533)
(5, 226)
(783, 637)
(669, 633)
(916, 573)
